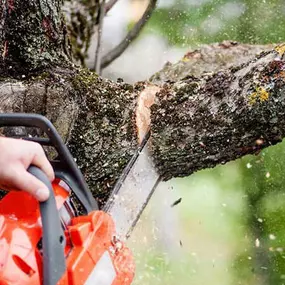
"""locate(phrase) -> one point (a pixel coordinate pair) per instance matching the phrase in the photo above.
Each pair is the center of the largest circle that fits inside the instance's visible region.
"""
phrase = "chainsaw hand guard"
(65, 167)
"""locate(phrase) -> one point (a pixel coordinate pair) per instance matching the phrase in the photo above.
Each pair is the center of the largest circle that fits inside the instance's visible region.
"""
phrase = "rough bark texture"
(94, 116)
(32, 36)
(200, 122)
(104, 135)
(207, 59)
(49, 94)
(82, 16)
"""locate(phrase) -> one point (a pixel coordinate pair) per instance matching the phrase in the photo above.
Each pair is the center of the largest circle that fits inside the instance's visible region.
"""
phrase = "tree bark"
(209, 58)
(196, 122)
(32, 36)
(200, 122)
(94, 116)
(81, 17)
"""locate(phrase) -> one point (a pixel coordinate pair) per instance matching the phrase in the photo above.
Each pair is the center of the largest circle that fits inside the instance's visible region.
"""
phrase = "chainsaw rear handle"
(53, 239)
(65, 168)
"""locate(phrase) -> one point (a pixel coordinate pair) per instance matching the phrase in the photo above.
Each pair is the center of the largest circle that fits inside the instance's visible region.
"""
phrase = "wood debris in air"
(176, 202)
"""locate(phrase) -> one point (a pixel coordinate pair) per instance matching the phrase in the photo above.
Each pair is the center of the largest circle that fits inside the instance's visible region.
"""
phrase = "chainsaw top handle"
(53, 239)
(64, 166)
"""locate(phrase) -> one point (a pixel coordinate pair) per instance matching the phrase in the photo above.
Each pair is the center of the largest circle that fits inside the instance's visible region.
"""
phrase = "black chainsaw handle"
(65, 167)
(53, 238)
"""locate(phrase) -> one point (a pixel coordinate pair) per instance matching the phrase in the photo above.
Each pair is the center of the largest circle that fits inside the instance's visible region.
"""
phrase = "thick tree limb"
(204, 110)
(196, 122)
(131, 36)
(94, 116)
(201, 122)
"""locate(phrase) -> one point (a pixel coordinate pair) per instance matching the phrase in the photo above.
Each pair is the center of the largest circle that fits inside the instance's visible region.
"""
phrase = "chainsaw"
(68, 240)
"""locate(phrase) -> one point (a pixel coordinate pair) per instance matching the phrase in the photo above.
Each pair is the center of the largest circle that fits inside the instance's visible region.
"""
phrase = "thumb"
(25, 181)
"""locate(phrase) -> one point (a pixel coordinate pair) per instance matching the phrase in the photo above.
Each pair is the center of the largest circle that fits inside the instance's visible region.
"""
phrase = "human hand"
(15, 158)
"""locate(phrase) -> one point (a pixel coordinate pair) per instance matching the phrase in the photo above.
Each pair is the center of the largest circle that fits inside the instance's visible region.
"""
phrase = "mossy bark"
(201, 122)
(32, 36)
(95, 117)
(104, 135)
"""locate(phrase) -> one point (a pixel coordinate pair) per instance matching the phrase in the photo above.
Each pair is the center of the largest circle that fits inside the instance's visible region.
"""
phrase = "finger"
(23, 180)
(40, 160)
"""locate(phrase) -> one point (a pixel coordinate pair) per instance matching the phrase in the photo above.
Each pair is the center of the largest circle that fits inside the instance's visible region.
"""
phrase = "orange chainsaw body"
(92, 251)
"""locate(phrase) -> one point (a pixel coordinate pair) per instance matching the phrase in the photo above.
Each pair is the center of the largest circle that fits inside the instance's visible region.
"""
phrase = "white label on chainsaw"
(104, 272)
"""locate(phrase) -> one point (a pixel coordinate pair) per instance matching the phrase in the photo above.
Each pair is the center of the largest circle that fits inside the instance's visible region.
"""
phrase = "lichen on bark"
(95, 117)
(104, 136)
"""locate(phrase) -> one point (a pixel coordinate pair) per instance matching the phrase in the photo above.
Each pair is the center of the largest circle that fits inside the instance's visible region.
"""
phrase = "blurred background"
(229, 227)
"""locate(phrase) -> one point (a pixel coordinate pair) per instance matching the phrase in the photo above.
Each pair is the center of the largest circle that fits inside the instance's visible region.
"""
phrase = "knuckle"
(37, 146)
(38, 149)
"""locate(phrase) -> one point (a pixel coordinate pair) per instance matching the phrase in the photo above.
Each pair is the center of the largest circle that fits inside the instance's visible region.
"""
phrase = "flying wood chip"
(176, 202)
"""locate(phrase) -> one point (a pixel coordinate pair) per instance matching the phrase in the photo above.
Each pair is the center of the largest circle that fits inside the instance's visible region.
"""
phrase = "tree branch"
(198, 123)
(131, 36)
(109, 5)
(209, 58)
(97, 62)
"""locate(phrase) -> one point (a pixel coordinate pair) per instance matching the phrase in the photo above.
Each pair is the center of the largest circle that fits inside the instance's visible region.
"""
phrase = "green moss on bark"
(199, 123)
(103, 138)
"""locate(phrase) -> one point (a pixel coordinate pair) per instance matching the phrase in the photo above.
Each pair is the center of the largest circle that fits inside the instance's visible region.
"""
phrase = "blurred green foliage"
(249, 228)
(250, 21)
(264, 184)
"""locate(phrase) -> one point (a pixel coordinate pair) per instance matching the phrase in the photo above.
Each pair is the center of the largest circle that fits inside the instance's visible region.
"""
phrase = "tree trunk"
(196, 122)
(32, 36)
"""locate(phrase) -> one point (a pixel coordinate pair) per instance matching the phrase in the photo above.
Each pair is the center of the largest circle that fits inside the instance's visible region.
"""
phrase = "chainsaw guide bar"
(133, 191)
